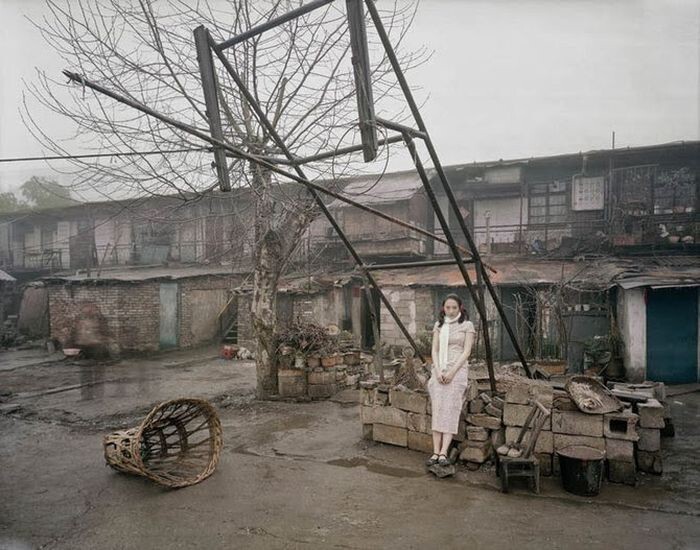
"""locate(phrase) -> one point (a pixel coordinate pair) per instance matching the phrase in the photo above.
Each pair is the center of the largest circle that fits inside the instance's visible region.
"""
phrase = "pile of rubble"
(630, 437)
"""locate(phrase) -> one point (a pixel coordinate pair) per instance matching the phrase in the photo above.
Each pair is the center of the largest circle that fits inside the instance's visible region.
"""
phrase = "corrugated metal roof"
(136, 274)
(6, 277)
(586, 275)
(377, 189)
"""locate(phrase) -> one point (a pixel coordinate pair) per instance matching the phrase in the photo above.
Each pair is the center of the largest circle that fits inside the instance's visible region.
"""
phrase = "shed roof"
(147, 273)
(590, 274)
(382, 188)
(6, 277)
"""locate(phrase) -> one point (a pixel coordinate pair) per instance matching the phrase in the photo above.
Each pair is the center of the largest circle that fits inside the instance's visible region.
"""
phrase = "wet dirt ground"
(292, 475)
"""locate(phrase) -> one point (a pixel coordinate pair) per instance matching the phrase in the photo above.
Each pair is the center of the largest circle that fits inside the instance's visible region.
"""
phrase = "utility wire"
(102, 155)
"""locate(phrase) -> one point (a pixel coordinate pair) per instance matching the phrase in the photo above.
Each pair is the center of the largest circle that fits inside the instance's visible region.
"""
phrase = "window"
(548, 203)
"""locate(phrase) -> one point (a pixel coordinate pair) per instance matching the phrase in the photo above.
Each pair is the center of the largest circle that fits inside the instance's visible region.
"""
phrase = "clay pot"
(313, 361)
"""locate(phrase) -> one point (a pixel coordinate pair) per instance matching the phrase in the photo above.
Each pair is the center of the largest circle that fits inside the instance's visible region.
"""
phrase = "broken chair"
(518, 459)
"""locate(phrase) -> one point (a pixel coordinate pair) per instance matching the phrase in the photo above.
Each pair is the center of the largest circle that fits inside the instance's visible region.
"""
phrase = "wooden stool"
(525, 464)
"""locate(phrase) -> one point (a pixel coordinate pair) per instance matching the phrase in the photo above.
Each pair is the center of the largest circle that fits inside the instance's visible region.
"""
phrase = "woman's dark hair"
(463, 315)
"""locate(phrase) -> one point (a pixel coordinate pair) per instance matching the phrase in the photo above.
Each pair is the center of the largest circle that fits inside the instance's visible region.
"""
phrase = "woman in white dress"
(453, 337)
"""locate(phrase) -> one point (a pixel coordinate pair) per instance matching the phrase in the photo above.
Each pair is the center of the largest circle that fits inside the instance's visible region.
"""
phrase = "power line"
(103, 155)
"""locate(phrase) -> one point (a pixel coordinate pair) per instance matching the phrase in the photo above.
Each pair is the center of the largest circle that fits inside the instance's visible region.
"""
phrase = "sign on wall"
(587, 193)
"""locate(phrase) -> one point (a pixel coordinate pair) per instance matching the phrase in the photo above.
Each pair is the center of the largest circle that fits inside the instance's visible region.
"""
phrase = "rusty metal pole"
(408, 95)
(262, 117)
(478, 300)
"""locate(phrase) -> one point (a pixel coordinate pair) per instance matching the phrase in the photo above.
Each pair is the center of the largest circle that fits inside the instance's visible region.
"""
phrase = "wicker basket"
(178, 444)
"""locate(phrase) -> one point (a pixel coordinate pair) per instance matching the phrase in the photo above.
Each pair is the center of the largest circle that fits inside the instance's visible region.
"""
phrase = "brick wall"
(128, 313)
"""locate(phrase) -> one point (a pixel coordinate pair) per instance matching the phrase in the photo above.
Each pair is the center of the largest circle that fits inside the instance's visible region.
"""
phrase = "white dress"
(447, 399)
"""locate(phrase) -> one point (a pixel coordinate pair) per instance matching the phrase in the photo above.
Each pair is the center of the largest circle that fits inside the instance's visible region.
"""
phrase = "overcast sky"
(507, 78)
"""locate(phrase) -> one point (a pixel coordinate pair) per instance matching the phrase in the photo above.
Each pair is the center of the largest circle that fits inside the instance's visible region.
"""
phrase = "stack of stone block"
(654, 423)
(519, 399)
(631, 438)
(321, 379)
(484, 426)
(398, 416)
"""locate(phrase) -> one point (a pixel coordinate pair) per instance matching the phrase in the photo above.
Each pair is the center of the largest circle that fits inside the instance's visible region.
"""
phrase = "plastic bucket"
(581, 469)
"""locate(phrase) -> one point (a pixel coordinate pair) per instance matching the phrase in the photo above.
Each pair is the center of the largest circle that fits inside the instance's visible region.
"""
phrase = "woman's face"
(451, 308)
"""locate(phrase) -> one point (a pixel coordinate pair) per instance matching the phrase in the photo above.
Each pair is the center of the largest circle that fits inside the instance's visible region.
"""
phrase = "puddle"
(374, 467)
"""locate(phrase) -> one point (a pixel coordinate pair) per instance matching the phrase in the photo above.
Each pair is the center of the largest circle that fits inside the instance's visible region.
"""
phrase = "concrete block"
(563, 403)
(484, 421)
(621, 425)
(408, 400)
(619, 450)
(542, 393)
(561, 441)
(461, 434)
(545, 460)
(620, 471)
(516, 415)
(367, 431)
(651, 414)
(545, 441)
(577, 423)
(518, 394)
(381, 397)
(476, 451)
(650, 462)
(390, 416)
(492, 410)
(649, 439)
(291, 382)
(643, 390)
(421, 423)
(476, 406)
(498, 437)
(319, 391)
(420, 442)
(325, 377)
(472, 391)
(477, 433)
(390, 434)
(366, 397)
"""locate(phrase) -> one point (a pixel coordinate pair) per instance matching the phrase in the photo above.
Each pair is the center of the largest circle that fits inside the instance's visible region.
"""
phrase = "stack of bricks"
(630, 438)
(484, 427)
(519, 399)
(398, 416)
(654, 423)
(321, 378)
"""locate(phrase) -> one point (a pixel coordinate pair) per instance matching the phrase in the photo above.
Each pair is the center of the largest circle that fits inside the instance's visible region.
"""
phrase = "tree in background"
(300, 73)
(8, 202)
(39, 192)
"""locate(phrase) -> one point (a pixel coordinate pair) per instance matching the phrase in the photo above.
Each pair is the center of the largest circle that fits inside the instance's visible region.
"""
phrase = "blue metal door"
(672, 335)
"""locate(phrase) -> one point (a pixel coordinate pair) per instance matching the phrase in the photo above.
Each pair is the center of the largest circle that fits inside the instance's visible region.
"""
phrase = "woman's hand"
(448, 377)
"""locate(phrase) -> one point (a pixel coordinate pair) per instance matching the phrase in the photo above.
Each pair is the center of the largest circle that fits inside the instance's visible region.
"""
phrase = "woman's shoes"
(433, 460)
(443, 460)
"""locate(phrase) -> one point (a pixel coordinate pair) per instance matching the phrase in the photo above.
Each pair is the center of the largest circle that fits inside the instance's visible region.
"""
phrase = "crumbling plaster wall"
(632, 322)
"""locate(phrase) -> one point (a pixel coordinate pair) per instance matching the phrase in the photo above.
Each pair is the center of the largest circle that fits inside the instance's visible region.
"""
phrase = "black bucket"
(581, 469)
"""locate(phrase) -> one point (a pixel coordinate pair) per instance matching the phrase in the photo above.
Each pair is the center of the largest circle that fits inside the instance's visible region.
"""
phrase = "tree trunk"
(264, 315)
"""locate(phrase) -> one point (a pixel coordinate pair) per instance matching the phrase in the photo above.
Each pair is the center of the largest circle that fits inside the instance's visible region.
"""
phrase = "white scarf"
(444, 342)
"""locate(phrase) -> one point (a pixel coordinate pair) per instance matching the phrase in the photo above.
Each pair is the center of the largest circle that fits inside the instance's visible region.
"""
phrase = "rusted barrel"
(581, 469)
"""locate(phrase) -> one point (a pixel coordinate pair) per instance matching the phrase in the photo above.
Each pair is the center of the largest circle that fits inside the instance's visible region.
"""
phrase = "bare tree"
(300, 73)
